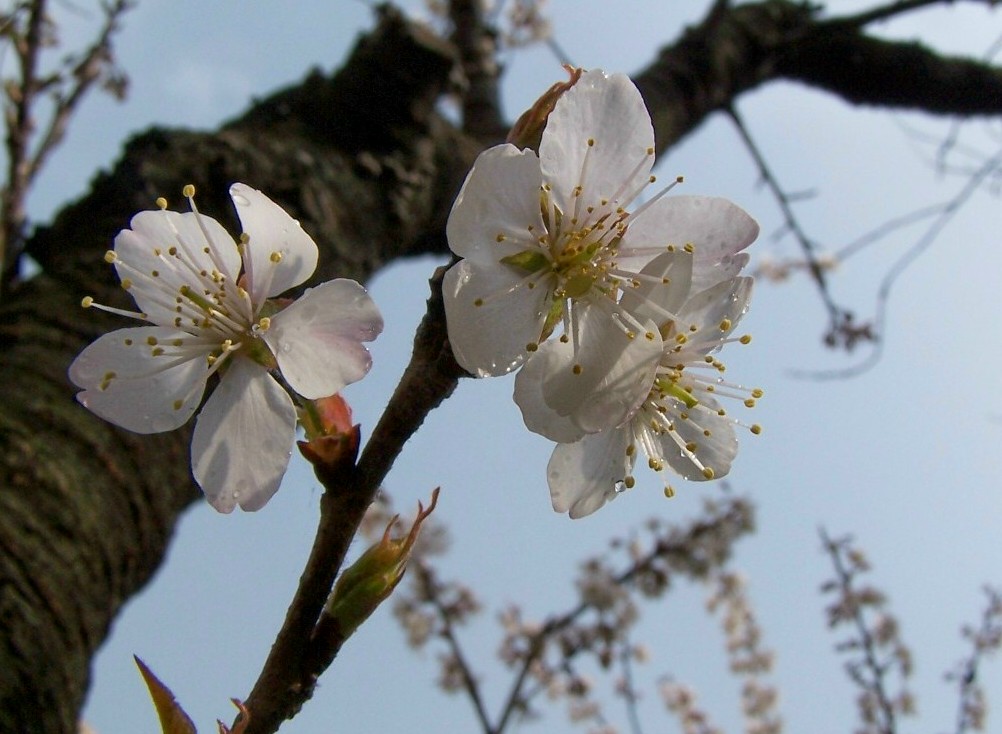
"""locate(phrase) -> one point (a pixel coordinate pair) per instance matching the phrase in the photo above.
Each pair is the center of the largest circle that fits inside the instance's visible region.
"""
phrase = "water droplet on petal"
(240, 200)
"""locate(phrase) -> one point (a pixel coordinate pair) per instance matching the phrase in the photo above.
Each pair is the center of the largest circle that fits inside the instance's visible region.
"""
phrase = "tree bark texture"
(370, 168)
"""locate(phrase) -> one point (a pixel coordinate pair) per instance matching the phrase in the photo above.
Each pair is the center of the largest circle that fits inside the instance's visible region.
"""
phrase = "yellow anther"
(629, 482)
(264, 323)
(655, 464)
(531, 347)
(706, 432)
(478, 302)
(157, 351)
(756, 429)
(691, 446)
(757, 393)
(188, 191)
(177, 342)
(649, 336)
(591, 142)
(110, 256)
(564, 338)
(631, 450)
(161, 202)
(276, 257)
(669, 491)
(750, 403)
(128, 342)
(681, 338)
(152, 341)
(725, 324)
(689, 248)
(178, 404)
(650, 151)
(500, 238)
(577, 369)
(708, 473)
(652, 179)
(86, 301)
(746, 339)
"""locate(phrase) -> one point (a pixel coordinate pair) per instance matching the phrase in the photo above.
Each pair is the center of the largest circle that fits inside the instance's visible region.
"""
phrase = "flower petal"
(598, 137)
(126, 384)
(610, 375)
(211, 249)
(317, 340)
(714, 227)
(584, 475)
(661, 301)
(716, 311)
(715, 451)
(538, 416)
(271, 230)
(500, 199)
(491, 339)
(243, 438)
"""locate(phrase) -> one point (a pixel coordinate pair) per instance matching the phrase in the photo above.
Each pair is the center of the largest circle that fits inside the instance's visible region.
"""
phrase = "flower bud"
(372, 578)
(331, 440)
(527, 132)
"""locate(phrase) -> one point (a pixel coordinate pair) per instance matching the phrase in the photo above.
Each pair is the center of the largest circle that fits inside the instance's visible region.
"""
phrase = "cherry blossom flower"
(207, 300)
(551, 240)
(680, 425)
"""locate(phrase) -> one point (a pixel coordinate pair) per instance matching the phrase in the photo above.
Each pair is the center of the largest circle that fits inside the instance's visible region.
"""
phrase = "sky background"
(906, 457)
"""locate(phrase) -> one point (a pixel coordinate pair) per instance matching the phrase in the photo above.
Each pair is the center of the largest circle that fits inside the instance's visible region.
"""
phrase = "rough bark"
(365, 162)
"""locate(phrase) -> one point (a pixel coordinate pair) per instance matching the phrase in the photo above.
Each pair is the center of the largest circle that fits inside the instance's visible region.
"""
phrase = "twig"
(286, 681)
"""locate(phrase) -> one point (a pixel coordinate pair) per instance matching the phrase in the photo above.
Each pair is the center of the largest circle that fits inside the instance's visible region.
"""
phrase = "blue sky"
(905, 457)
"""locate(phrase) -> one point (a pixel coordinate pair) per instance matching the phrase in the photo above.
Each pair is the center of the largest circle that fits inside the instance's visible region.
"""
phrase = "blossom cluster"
(210, 303)
(611, 306)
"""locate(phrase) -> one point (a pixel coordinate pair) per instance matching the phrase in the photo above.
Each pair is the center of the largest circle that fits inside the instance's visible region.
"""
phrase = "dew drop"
(240, 200)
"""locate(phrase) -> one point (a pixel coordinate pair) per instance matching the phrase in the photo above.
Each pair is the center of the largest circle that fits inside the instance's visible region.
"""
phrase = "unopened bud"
(372, 578)
(527, 131)
(331, 440)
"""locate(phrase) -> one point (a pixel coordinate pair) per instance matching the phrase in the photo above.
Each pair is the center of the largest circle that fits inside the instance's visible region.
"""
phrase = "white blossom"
(679, 425)
(554, 240)
(207, 300)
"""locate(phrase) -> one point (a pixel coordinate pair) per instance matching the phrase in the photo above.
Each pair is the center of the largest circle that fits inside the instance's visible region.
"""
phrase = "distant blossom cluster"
(611, 307)
(212, 309)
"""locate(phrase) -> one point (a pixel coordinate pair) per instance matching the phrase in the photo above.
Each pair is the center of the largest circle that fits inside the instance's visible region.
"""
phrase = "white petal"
(318, 339)
(243, 438)
(538, 416)
(147, 394)
(491, 339)
(583, 476)
(715, 451)
(271, 230)
(500, 197)
(162, 230)
(708, 310)
(706, 276)
(616, 372)
(655, 301)
(609, 111)
(714, 227)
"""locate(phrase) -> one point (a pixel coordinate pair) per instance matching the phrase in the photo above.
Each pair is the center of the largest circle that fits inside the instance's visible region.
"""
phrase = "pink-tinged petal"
(716, 451)
(318, 339)
(243, 438)
(538, 416)
(584, 475)
(599, 137)
(498, 201)
(491, 339)
(199, 243)
(660, 301)
(714, 227)
(125, 383)
(271, 230)
(608, 378)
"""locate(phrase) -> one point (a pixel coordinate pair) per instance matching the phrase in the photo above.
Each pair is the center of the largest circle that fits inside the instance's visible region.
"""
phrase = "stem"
(300, 654)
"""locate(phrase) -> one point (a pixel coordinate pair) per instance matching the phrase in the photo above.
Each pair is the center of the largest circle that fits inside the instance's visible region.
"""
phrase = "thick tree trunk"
(367, 165)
